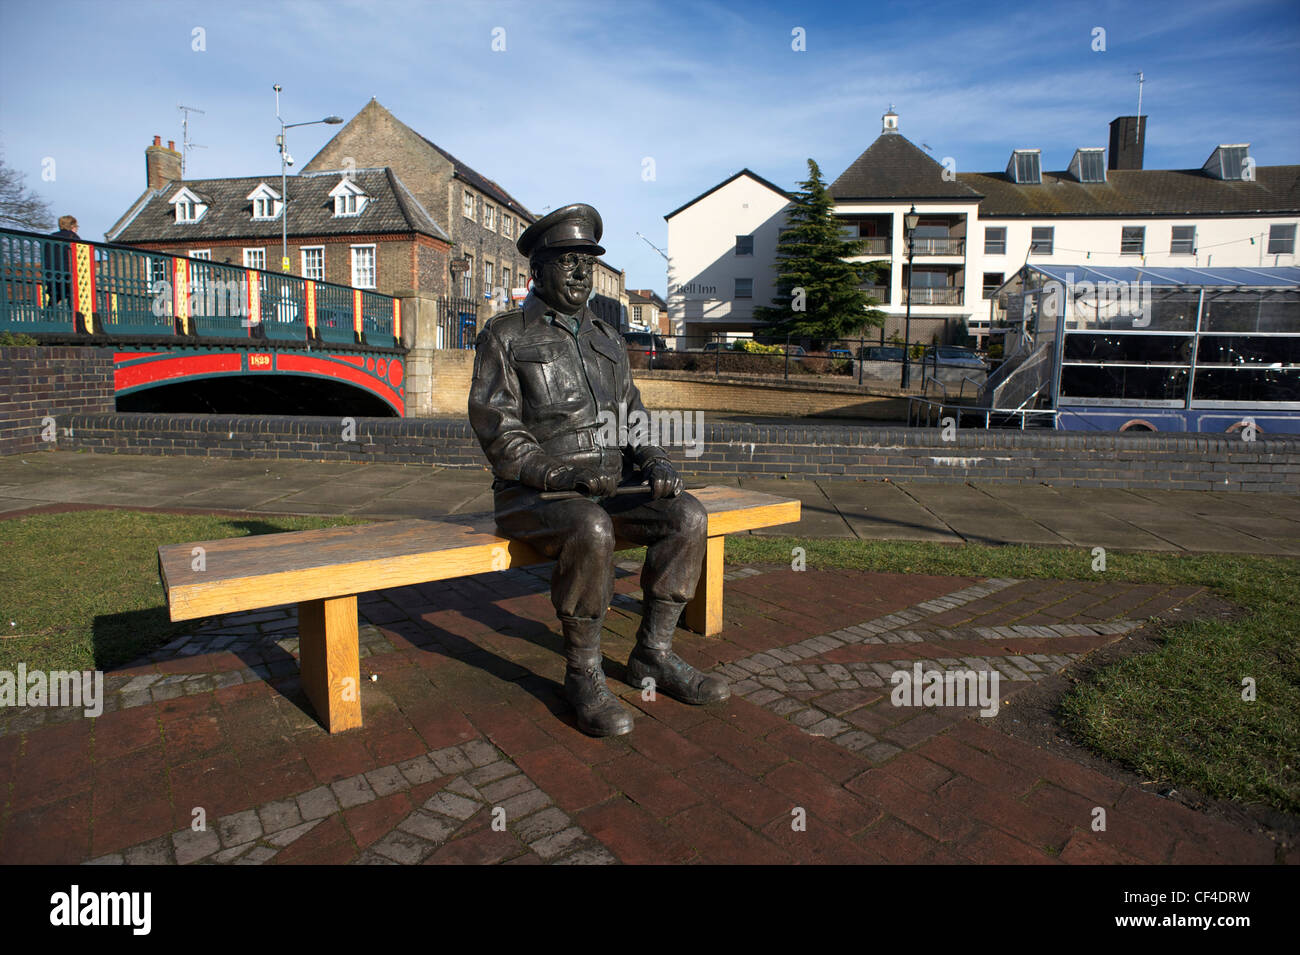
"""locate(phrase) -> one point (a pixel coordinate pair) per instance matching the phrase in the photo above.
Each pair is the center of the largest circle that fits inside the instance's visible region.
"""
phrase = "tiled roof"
(1276, 189)
(482, 183)
(893, 168)
(391, 209)
(645, 296)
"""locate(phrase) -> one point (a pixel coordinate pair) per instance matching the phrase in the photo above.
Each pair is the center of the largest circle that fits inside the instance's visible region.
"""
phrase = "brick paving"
(469, 755)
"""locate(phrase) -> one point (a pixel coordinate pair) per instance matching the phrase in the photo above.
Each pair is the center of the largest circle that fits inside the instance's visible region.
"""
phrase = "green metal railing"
(51, 285)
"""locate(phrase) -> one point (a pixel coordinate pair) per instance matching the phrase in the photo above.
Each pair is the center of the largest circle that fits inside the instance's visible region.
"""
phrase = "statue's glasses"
(570, 261)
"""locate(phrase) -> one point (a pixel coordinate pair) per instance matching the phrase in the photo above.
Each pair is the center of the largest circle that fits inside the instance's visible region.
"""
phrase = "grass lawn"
(1176, 714)
(81, 591)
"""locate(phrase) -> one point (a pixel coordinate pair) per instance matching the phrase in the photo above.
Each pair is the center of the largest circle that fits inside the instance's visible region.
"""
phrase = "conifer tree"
(817, 291)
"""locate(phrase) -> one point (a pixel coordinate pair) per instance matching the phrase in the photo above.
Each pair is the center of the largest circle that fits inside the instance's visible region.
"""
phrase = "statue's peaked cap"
(575, 227)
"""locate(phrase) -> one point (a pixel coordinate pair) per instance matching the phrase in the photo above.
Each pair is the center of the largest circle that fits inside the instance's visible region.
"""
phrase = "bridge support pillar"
(420, 336)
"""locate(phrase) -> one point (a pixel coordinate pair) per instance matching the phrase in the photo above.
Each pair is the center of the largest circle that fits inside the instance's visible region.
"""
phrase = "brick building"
(647, 311)
(360, 227)
(609, 298)
(482, 220)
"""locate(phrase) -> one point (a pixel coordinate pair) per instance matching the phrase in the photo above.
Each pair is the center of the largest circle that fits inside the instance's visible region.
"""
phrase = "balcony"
(875, 245)
(933, 296)
(939, 246)
(879, 292)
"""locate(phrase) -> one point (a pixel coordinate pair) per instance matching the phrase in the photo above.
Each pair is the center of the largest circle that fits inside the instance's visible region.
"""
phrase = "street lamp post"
(285, 161)
(909, 224)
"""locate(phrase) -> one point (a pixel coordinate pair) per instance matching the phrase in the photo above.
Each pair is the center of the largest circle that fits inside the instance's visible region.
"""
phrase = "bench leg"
(703, 613)
(328, 655)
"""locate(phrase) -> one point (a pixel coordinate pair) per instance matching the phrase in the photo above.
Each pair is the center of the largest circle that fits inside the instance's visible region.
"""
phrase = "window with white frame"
(489, 217)
(1281, 239)
(467, 204)
(349, 198)
(313, 263)
(1132, 239)
(200, 254)
(995, 241)
(507, 226)
(1041, 240)
(1183, 240)
(189, 207)
(266, 202)
(487, 279)
(363, 266)
(467, 278)
(255, 258)
(505, 279)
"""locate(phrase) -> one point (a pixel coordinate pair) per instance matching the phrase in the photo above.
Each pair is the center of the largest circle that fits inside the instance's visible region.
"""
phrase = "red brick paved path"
(465, 719)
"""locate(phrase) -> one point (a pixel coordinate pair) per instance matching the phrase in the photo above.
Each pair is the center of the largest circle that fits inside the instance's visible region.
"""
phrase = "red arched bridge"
(191, 322)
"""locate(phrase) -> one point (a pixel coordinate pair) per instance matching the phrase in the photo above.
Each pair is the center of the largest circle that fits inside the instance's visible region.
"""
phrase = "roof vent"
(1025, 167)
(1088, 164)
(1230, 162)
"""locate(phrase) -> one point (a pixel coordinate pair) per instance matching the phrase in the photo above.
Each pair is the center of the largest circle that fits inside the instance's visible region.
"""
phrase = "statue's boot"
(599, 711)
(653, 657)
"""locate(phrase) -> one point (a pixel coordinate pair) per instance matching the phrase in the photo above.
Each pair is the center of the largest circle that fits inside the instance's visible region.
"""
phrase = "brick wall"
(453, 370)
(682, 391)
(51, 381)
(1063, 459)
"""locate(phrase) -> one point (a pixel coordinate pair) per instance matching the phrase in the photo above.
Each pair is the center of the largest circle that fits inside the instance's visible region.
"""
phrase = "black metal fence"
(457, 322)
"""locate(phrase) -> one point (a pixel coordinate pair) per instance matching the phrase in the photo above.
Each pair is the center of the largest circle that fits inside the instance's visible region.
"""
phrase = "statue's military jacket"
(539, 391)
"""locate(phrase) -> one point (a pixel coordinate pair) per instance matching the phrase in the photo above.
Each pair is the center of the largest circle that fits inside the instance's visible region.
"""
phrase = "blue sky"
(585, 91)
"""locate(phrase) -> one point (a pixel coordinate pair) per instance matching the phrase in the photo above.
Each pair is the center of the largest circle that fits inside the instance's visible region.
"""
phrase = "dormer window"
(189, 207)
(1024, 167)
(1229, 162)
(349, 198)
(266, 202)
(1088, 165)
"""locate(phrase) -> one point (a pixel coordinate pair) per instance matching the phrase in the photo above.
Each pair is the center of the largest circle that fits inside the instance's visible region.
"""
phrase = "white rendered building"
(977, 229)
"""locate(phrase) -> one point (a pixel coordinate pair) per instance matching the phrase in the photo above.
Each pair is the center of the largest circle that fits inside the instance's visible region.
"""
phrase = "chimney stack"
(1128, 137)
(162, 164)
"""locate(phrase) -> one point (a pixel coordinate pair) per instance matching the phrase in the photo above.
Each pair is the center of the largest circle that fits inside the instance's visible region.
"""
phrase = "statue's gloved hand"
(663, 478)
(583, 480)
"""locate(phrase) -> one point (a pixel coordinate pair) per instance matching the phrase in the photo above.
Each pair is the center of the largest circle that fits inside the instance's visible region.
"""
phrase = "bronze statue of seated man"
(546, 377)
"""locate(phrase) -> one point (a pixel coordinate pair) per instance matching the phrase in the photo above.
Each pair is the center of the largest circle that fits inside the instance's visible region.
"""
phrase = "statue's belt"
(575, 441)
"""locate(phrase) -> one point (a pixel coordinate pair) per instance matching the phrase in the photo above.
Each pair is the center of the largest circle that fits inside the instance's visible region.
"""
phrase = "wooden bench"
(324, 570)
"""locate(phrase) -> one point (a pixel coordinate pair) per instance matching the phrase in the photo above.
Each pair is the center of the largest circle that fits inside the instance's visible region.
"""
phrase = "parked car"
(838, 353)
(881, 353)
(953, 356)
(646, 342)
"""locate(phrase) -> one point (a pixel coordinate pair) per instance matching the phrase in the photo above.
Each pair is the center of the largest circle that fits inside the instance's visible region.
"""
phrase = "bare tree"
(20, 208)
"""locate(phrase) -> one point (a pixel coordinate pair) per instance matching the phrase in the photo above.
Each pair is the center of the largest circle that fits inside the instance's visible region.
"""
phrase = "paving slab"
(979, 518)
(882, 510)
(818, 516)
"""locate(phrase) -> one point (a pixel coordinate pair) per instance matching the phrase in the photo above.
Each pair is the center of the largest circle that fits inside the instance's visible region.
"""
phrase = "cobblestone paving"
(475, 777)
(465, 715)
